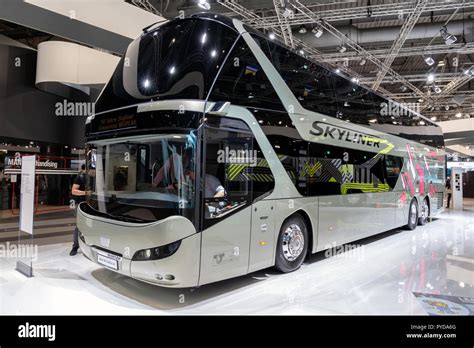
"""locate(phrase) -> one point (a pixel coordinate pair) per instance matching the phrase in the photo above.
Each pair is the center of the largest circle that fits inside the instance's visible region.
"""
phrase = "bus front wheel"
(412, 215)
(292, 244)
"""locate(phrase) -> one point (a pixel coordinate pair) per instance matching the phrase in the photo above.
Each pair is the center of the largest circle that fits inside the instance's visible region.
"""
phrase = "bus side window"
(227, 172)
(393, 167)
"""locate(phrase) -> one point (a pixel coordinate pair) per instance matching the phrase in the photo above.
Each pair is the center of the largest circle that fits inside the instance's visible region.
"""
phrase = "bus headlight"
(156, 253)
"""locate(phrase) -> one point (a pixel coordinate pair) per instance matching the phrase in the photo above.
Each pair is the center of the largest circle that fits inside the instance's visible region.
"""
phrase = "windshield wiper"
(126, 217)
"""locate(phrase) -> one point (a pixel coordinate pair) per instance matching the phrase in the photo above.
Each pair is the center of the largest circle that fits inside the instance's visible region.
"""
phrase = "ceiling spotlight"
(446, 107)
(430, 61)
(272, 36)
(433, 118)
(437, 90)
(288, 13)
(458, 115)
(204, 4)
(338, 71)
(469, 71)
(302, 29)
(430, 78)
(448, 38)
(342, 48)
(318, 32)
(301, 51)
(403, 88)
(362, 62)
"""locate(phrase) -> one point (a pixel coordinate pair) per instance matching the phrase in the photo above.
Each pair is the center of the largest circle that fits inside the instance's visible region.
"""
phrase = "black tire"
(290, 254)
(425, 213)
(412, 215)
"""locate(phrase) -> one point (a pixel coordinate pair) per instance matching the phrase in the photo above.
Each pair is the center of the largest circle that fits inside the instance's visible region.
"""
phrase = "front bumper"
(180, 270)
(114, 243)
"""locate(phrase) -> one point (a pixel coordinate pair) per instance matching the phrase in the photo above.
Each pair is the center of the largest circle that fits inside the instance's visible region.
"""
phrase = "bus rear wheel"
(292, 244)
(425, 212)
(412, 215)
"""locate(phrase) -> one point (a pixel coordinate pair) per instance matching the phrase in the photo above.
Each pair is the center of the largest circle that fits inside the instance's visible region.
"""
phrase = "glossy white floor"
(377, 278)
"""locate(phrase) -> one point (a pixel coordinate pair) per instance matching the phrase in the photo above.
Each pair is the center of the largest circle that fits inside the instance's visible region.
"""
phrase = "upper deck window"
(178, 60)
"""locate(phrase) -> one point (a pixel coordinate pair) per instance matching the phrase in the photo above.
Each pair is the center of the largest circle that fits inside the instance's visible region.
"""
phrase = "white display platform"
(380, 280)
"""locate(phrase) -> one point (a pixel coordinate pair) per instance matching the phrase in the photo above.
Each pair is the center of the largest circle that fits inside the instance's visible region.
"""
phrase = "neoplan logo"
(344, 134)
(37, 331)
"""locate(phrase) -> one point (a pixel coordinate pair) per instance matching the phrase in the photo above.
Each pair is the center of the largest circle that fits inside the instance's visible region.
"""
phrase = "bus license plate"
(108, 261)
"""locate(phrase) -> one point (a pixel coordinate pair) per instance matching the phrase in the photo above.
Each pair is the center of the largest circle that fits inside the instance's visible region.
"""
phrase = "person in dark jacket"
(79, 192)
(449, 191)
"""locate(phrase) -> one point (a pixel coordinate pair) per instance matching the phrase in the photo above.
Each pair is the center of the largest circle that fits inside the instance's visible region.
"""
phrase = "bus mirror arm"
(220, 108)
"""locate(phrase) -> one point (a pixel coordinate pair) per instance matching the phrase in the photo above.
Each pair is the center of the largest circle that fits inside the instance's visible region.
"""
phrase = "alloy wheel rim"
(293, 242)
(424, 210)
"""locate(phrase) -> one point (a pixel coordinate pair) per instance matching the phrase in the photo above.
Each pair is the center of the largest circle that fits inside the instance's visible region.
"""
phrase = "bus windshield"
(144, 178)
(178, 60)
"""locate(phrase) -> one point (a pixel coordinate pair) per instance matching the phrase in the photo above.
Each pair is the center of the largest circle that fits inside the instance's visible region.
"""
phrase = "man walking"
(79, 192)
(449, 191)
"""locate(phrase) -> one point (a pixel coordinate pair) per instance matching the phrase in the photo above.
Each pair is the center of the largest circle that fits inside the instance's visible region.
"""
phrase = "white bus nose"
(165, 252)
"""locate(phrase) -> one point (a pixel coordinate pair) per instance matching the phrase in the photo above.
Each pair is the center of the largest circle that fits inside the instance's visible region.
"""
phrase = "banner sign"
(27, 198)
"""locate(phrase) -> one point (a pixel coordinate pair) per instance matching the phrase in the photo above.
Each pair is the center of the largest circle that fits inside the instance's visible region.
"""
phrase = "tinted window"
(354, 102)
(320, 90)
(292, 153)
(334, 170)
(393, 167)
(179, 59)
(309, 82)
(391, 117)
(242, 81)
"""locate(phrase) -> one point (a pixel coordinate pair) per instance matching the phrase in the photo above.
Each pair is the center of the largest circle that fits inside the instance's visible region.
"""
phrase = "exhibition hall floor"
(379, 277)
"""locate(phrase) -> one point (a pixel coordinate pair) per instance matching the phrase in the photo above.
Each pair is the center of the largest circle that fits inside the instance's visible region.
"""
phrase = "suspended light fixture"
(342, 48)
(317, 31)
(430, 78)
(302, 29)
(272, 36)
(448, 38)
(428, 60)
(362, 62)
(204, 5)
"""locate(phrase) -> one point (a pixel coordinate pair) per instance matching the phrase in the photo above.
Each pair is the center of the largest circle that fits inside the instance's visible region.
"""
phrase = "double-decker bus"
(215, 152)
